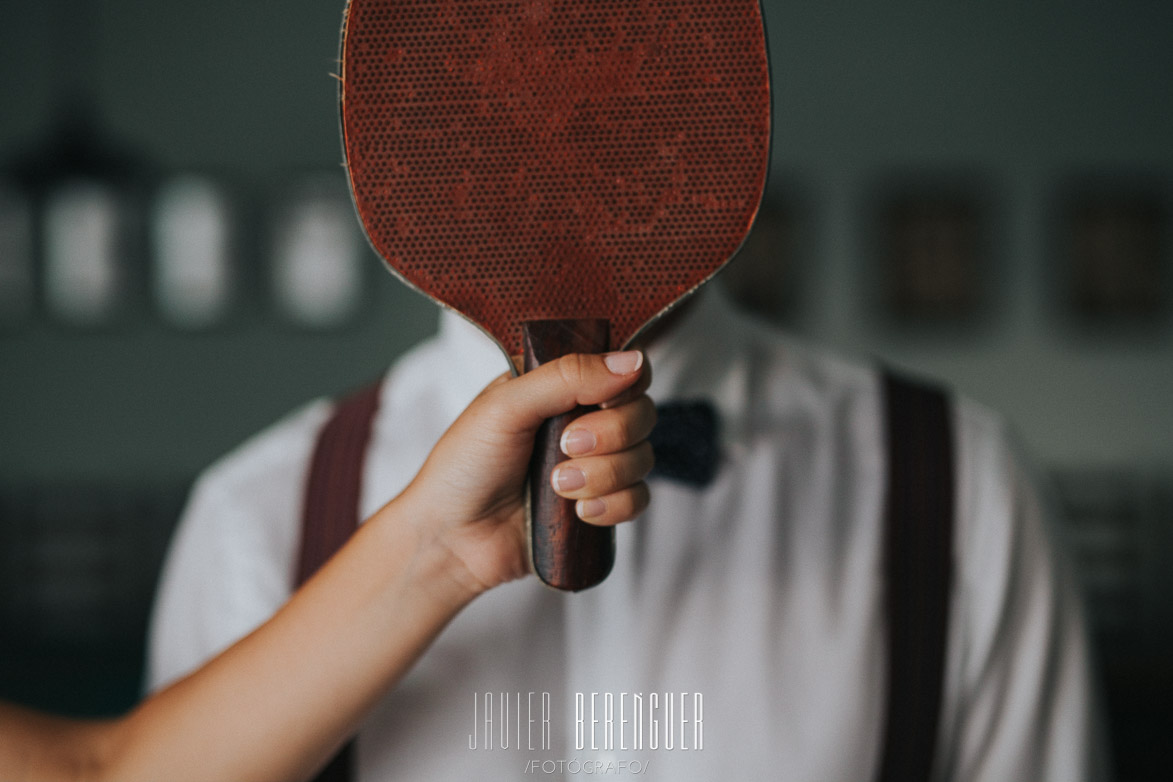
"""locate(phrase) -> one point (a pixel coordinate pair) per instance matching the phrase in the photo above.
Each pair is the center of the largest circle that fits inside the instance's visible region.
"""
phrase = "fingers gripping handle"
(567, 552)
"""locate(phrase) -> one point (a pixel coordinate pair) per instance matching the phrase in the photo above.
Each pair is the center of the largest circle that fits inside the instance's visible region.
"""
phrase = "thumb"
(560, 385)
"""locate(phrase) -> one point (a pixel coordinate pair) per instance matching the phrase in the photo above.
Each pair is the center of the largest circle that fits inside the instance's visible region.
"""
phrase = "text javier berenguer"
(602, 721)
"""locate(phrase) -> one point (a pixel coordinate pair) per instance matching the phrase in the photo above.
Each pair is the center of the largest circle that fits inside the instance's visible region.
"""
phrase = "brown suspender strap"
(330, 513)
(918, 564)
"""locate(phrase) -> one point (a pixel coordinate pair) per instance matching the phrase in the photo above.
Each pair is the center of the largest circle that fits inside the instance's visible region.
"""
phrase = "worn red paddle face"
(522, 160)
(559, 171)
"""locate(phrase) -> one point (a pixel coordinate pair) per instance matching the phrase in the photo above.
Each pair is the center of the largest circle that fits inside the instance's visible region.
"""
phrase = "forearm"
(36, 746)
(279, 702)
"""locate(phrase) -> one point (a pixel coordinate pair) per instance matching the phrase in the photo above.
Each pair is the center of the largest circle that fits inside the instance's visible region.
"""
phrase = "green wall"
(1025, 95)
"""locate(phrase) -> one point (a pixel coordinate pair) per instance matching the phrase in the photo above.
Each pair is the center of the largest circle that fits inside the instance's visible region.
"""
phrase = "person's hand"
(469, 497)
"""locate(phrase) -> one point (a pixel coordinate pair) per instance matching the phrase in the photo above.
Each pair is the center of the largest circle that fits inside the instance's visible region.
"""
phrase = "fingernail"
(576, 442)
(590, 509)
(624, 363)
(569, 478)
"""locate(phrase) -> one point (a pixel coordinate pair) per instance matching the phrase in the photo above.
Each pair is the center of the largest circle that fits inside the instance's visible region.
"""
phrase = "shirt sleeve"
(1021, 676)
(230, 563)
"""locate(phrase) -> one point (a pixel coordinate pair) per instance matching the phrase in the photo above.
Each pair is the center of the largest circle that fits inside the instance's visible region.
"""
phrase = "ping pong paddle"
(559, 172)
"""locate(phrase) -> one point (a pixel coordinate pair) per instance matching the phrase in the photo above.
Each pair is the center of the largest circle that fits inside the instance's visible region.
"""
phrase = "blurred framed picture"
(195, 276)
(1113, 253)
(1112, 529)
(319, 256)
(765, 275)
(88, 229)
(933, 252)
(68, 568)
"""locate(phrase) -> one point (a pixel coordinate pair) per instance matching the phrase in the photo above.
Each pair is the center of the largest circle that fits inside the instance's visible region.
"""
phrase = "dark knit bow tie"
(685, 442)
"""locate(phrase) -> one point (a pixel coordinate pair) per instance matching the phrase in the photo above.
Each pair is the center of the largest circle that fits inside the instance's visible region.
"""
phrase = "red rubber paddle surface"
(538, 159)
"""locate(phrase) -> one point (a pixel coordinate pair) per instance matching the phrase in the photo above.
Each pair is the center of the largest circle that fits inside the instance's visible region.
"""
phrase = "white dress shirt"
(757, 597)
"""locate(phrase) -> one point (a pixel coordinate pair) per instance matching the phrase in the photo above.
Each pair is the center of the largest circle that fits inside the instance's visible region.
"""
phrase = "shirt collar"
(702, 357)
(466, 357)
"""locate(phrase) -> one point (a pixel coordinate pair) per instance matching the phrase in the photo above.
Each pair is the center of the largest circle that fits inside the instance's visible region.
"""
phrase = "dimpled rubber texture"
(532, 159)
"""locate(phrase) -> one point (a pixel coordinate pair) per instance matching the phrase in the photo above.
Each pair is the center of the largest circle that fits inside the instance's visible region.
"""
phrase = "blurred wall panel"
(17, 272)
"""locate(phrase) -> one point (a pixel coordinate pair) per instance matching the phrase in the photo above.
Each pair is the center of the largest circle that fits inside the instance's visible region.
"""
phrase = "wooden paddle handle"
(567, 552)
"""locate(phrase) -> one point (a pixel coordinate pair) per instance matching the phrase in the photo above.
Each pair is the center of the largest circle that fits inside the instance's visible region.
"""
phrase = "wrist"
(409, 526)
